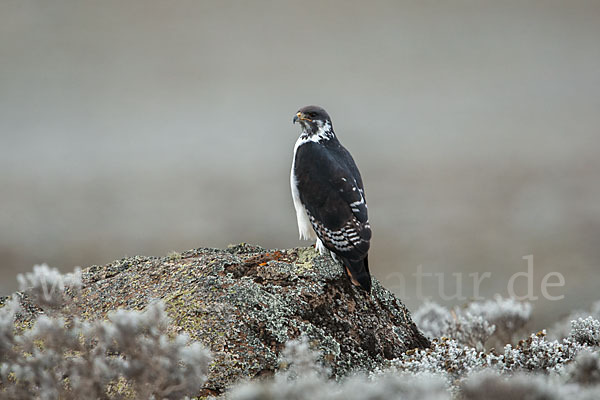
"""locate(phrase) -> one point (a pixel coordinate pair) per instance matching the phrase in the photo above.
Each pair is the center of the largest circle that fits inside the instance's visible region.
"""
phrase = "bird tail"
(358, 272)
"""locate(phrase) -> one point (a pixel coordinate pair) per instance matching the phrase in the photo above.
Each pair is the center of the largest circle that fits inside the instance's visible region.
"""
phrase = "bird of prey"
(329, 197)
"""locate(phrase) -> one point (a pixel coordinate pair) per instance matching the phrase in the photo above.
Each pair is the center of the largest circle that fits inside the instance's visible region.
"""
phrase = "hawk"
(329, 197)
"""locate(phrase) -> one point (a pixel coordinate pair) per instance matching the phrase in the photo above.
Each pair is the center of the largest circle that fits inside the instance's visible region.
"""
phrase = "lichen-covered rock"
(245, 303)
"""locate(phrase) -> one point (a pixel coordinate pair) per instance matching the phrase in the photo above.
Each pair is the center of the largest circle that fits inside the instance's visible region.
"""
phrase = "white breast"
(305, 228)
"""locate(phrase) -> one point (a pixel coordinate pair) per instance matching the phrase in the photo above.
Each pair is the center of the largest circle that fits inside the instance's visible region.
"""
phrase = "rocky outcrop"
(245, 302)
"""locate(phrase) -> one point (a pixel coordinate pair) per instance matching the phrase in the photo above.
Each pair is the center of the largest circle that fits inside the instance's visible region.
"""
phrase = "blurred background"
(143, 127)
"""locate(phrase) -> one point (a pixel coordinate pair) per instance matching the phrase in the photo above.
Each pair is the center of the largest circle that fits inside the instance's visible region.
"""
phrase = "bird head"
(313, 120)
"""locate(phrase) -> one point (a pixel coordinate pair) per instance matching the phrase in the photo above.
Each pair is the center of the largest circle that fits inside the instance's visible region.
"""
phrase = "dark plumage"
(329, 195)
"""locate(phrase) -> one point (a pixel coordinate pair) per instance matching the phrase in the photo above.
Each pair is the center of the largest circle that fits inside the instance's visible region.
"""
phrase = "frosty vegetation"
(62, 356)
(498, 321)
(47, 286)
(132, 355)
(562, 328)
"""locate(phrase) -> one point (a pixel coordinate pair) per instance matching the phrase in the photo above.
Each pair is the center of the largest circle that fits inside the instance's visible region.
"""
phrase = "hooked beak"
(300, 117)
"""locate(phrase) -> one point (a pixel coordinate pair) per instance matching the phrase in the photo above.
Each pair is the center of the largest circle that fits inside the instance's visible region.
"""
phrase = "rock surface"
(245, 302)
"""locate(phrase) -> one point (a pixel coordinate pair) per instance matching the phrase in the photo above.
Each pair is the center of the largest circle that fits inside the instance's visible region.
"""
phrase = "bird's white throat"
(324, 132)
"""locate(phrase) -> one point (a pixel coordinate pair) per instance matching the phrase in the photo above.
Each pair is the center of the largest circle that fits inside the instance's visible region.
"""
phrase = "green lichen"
(121, 388)
(174, 256)
(304, 262)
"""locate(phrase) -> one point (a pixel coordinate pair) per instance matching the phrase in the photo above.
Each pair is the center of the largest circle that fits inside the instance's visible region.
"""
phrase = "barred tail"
(358, 272)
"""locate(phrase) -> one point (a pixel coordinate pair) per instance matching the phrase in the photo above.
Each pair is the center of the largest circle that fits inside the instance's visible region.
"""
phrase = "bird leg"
(321, 247)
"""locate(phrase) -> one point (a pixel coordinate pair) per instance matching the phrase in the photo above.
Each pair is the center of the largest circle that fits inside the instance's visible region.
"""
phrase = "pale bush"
(508, 315)
(7, 326)
(437, 321)
(304, 378)
(46, 285)
(477, 322)
(129, 354)
(585, 331)
(562, 328)
(446, 358)
(432, 319)
(538, 354)
(471, 330)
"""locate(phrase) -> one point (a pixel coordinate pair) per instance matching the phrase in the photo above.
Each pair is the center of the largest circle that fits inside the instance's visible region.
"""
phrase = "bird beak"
(300, 117)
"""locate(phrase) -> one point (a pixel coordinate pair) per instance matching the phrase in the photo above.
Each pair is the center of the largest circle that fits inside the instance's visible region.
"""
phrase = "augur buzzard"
(329, 196)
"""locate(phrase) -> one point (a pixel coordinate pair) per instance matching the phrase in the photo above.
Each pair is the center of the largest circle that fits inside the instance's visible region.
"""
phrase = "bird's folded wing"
(334, 199)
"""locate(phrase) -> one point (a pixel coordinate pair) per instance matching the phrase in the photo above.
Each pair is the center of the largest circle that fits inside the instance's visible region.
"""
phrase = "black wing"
(331, 189)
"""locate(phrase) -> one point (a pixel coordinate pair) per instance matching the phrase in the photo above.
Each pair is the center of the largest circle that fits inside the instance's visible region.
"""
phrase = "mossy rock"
(245, 302)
